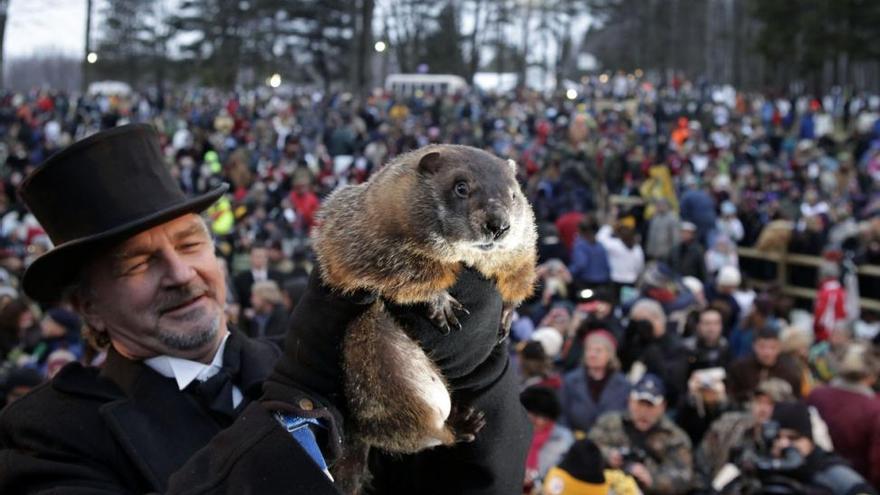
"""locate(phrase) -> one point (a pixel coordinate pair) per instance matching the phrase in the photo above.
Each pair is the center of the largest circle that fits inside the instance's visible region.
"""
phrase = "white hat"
(728, 276)
(550, 339)
(693, 284)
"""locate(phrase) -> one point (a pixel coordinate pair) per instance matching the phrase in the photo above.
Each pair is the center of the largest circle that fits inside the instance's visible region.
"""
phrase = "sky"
(45, 26)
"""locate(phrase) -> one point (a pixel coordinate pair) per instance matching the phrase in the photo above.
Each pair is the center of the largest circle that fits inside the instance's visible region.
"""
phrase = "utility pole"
(88, 50)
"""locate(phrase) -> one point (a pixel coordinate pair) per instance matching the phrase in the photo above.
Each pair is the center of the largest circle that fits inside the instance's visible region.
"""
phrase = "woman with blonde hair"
(596, 387)
(797, 342)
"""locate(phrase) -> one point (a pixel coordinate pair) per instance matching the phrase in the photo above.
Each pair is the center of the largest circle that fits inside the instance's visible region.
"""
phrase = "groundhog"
(405, 235)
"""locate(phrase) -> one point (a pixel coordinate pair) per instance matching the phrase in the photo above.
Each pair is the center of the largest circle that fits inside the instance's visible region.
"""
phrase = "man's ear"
(85, 306)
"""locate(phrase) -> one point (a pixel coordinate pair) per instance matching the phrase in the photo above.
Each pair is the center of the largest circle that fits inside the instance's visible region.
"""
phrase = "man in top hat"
(185, 403)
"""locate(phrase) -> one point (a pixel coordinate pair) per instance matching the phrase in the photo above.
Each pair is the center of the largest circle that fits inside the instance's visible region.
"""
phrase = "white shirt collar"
(185, 371)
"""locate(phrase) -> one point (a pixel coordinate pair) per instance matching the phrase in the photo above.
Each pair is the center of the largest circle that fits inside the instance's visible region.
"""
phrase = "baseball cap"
(650, 389)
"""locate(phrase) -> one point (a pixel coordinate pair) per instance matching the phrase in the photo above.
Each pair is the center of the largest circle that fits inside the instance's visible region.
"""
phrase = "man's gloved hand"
(469, 358)
(312, 355)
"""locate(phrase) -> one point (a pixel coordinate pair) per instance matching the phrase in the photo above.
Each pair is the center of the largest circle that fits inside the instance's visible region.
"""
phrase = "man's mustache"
(171, 299)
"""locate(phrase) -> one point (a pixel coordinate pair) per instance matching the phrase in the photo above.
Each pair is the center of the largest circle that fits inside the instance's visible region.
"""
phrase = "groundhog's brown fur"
(405, 234)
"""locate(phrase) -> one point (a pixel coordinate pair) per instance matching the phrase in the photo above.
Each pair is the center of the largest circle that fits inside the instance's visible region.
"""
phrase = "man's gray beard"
(196, 338)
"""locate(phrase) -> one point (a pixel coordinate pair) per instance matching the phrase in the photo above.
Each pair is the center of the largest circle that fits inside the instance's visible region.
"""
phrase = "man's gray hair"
(649, 306)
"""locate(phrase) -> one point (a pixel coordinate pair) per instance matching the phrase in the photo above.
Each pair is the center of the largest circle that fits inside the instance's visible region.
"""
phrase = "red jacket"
(305, 205)
(853, 418)
(830, 308)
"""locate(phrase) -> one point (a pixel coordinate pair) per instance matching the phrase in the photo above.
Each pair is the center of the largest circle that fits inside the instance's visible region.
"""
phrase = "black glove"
(469, 358)
(312, 357)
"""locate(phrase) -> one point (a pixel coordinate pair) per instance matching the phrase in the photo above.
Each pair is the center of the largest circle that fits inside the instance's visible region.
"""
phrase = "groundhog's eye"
(462, 189)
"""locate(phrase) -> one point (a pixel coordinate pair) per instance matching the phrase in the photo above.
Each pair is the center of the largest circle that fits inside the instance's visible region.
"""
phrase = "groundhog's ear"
(430, 163)
(512, 164)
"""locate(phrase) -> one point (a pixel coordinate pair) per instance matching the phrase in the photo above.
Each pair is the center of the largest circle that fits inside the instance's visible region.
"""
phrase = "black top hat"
(97, 192)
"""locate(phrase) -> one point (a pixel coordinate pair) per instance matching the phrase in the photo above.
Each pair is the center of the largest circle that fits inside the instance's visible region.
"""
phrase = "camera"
(763, 473)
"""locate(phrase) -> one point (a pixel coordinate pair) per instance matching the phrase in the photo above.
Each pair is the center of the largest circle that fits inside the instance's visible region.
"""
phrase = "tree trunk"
(363, 58)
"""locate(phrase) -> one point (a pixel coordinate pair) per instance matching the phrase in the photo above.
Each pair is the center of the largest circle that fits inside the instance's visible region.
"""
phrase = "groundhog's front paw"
(465, 422)
(441, 311)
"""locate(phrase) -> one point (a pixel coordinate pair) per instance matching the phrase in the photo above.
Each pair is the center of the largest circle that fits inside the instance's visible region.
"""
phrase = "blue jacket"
(579, 411)
(589, 262)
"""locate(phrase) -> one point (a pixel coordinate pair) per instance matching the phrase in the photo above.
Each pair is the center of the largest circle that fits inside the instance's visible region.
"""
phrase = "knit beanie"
(541, 401)
(581, 472)
(794, 416)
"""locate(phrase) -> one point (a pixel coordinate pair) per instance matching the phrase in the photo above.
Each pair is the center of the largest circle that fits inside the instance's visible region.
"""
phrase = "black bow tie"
(215, 393)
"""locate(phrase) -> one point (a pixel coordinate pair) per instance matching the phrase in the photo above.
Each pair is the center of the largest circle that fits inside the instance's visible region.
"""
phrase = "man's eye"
(138, 267)
(190, 246)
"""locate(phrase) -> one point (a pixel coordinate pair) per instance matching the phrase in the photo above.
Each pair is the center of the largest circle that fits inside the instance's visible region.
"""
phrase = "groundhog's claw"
(506, 322)
(465, 422)
(442, 311)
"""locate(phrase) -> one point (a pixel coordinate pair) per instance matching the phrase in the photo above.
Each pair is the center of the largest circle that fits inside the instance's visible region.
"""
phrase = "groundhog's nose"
(497, 226)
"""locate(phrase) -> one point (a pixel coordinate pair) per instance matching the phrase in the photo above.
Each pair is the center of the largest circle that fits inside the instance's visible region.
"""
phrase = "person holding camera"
(645, 443)
(795, 456)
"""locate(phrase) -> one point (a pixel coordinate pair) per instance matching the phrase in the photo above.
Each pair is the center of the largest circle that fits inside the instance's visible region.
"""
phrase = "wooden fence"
(785, 262)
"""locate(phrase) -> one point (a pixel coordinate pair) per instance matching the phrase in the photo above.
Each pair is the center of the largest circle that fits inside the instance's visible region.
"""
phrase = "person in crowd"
(644, 443)
(535, 367)
(807, 463)
(595, 388)
(662, 231)
(737, 432)
(851, 408)
(698, 207)
(259, 271)
(687, 257)
(17, 383)
(267, 316)
(760, 316)
(826, 357)
(728, 224)
(705, 402)
(584, 472)
(795, 343)
(721, 295)
(550, 439)
(829, 311)
(625, 256)
(765, 362)
(707, 348)
(176, 375)
(722, 254)
(589, 266)
(654, 349)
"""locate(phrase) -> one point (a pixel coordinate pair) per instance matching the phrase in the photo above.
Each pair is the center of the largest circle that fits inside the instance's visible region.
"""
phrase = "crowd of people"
(652, 357)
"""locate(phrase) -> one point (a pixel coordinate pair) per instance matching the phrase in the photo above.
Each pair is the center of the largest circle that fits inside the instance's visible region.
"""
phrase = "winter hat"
(550, 339)
(777, 389)
(581, 472)
(794, 416)
(729, 276)
(857, 363)
(693, 284)
(541, 401)
(67, 319)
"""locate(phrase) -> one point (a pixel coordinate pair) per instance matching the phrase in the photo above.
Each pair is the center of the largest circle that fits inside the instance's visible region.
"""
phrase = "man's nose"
(177, 270)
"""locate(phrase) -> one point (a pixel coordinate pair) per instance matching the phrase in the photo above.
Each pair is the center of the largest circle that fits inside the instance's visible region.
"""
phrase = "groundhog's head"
(479, 205)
